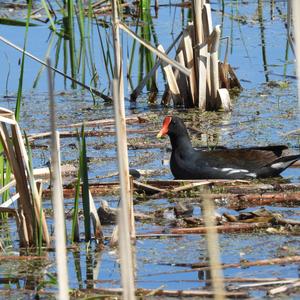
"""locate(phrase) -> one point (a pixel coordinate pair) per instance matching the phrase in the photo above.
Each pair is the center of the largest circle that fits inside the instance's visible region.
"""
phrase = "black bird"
(245, 163)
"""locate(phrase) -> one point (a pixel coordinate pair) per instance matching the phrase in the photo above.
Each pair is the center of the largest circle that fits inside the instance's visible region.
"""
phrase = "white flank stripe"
(231, 171)
(278, 166)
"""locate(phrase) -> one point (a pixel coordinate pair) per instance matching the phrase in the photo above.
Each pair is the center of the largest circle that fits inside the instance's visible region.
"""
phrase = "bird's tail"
(282, 163)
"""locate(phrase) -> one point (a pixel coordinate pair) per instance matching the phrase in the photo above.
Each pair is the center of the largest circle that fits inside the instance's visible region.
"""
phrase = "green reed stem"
(82, 53)
(75, 227)
(90, 48)
(52, 24)
(20, 85)
(71, 36)
(42, 68)
(38, 232)
(85, 187)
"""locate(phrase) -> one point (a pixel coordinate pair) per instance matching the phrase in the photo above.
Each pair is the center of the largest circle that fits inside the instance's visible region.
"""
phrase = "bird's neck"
(181, 142)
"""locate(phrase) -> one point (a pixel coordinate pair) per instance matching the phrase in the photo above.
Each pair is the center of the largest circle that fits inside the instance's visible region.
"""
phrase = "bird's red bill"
(165, 128)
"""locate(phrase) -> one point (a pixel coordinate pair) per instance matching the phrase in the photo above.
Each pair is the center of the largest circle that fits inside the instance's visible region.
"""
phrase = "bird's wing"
(249, 159)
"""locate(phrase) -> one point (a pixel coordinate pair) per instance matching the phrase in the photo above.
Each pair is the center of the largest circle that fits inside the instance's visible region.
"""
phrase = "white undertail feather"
(231, 171)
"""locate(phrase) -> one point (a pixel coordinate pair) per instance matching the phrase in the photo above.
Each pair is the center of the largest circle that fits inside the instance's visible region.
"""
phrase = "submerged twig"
(196, 267)
(284, 288)
(170, 293)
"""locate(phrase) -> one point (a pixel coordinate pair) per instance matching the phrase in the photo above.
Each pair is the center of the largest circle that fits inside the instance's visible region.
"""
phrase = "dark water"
(262, 114)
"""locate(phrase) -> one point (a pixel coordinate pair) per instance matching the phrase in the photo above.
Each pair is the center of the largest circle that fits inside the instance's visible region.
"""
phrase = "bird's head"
(172, 126)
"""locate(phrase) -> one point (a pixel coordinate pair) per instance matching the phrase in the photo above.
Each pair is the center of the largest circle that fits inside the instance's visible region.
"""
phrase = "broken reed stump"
(30, 217)
(208, 84)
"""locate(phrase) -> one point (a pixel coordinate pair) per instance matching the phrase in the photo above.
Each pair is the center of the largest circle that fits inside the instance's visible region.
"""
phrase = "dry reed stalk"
(205, 54)
(191, 185)
(202, 75)
(151, 73)
(126, 258)
(264, 284)
(96, 221)
(199, 62)
(57, 199)
(182, 79)
(131, 212)
(189, 61)
(197, 7)
(226, 228)
(11, 211)
(7, 120)
(264, 262)
(8, 186)
(243, 201)
(284, 288)
(204, 266)
(19, 161)
(213, 248)
(224, 75)
(171, 293)
(25, 227)
(223, 98)
(158, 53)
(22, 228)
(139, 118)
(157, 186)
(98, 3)
(207, 21)
(234, 80)
(36, 199)
(214, 67)
(10, 201)
(89, 88)
(44, 173)
(172, 83)
(93, 133)
(4, 112)
(114, 237)
(147, 187)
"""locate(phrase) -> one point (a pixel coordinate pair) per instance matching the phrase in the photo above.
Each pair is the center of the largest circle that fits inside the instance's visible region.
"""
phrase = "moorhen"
(245, 163)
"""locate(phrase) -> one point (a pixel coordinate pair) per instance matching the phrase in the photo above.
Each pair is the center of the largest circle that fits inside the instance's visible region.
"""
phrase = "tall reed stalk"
(57, 199)
(126, 256)
(213, 248)
(38, 230)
